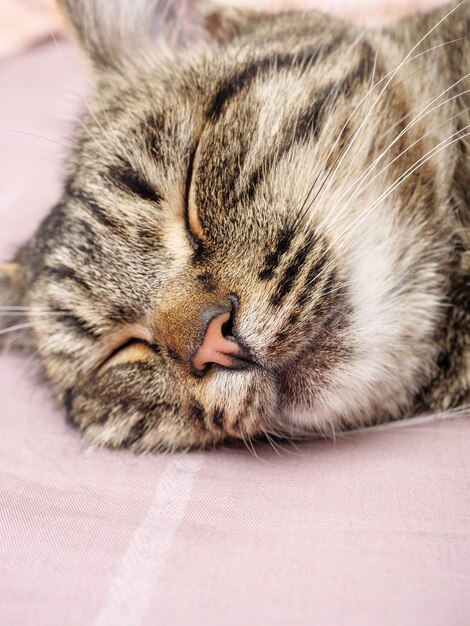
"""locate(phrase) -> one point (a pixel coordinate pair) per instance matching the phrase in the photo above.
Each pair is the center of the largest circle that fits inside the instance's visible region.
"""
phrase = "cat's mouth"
(237, 363)
(323, 350)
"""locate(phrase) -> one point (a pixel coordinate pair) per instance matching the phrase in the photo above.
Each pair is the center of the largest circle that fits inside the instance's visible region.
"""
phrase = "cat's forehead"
(228, 101)
(266, 72)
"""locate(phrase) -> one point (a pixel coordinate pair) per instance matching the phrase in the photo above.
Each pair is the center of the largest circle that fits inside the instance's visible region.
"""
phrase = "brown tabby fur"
(235, 169)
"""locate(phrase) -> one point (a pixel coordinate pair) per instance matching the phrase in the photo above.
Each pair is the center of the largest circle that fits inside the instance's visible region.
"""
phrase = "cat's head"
(211, 271)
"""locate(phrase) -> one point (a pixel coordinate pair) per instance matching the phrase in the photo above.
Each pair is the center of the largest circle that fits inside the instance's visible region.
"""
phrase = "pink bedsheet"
(373, 530)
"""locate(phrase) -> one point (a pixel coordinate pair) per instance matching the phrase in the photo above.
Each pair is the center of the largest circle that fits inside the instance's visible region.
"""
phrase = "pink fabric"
(373, 530)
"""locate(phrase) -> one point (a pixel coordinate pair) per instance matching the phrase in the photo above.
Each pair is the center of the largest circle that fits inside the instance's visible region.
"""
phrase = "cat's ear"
(109, 31)
(221, 24)
(11, 312)
(114, 32)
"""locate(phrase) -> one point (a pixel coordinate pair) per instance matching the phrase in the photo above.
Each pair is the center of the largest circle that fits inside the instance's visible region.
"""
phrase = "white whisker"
(415, 121)
(5, 331)
(419, 163)
(31, 313)
(390, 76)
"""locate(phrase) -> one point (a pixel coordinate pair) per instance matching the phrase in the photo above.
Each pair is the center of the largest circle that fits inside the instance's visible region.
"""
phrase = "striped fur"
(291, 162)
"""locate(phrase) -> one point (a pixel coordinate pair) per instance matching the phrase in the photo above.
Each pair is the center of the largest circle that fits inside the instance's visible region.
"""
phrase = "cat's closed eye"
(132, 350)
(192, 220)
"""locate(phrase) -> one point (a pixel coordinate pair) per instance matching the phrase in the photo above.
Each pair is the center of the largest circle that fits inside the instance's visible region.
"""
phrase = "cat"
(264, 228)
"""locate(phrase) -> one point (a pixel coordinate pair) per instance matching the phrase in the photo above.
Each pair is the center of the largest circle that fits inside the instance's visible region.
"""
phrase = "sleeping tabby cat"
(264, 228)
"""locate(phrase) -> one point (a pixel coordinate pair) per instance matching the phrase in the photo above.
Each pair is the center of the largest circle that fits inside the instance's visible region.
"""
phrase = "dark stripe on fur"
(99, 214)
(128, 179)
(312, 277)
(77, 325)
(316, 268)
(207, 281)
(90, 204)
(152, 131)
(137, 432)
(218, 418)
(198, 413)
(238, 82)
(309, 121)
(87, 241)
(123, 313)
(273, 259)
(307, 124)
(293, 268)
(289, 275)
(67, 400)
(62, 272)
(362, 72)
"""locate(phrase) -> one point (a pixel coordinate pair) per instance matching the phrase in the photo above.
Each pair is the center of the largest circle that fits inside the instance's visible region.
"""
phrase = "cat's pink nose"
(216, 348)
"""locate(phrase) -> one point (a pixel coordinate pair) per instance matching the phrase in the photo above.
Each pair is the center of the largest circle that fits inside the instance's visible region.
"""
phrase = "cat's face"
(200, 262)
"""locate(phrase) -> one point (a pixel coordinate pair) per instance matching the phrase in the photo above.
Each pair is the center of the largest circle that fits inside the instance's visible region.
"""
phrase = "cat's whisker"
(337, 164)
(415, 121)
(410, 171)
(37, 136)
(271, 443)
(369, 169)
(418, 118)
(6, 307)
(321, 169)
(30, 313)
(112, 142)
(66, 147)
(285, 438)
(247, 441)
(419, 163)
(412, 75)
(436, 47)
(426, 157)
(10, 329)
(331, 173)
(360, 189)
(397, 69)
